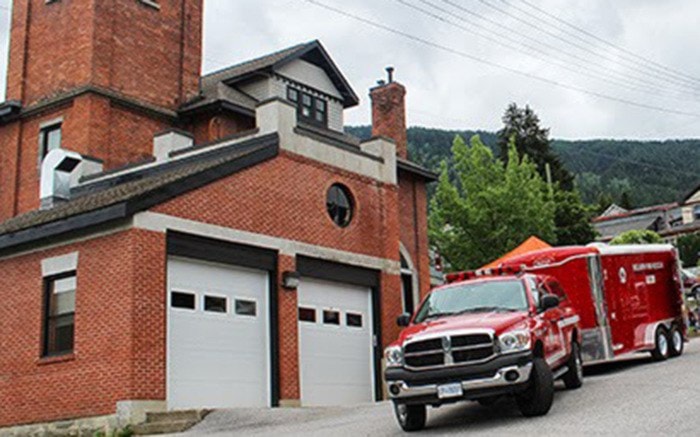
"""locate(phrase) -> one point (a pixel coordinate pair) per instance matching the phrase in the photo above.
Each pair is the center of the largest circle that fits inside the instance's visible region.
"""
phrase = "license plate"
(449, 391)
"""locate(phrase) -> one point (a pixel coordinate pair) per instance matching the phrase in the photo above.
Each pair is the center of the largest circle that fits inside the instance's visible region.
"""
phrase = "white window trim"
(59, 264)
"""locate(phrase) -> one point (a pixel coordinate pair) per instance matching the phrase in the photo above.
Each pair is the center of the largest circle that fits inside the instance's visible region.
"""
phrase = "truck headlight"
(393, 356)
(514, 341)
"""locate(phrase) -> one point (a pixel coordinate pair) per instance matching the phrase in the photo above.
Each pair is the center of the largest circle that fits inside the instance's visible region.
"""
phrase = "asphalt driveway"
(637, 397)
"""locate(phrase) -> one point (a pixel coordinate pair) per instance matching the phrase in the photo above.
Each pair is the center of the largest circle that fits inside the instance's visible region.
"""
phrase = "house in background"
(670, 220)
(172, 241)
(617, 220)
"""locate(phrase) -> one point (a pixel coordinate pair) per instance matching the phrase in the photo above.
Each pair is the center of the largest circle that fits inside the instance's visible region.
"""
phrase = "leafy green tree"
(490, 208)
(573, 219)
(637, 237)
(523, 126)
(689, 249)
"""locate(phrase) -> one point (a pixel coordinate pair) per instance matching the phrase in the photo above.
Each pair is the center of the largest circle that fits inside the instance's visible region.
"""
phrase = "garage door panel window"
(331, 317)
(353, 320)
(246, 308)
(307, 315)
(183, 300)
(215, 304)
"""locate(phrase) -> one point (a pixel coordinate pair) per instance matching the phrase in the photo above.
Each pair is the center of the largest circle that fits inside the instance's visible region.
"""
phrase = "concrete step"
(174, 416)
(171, 427)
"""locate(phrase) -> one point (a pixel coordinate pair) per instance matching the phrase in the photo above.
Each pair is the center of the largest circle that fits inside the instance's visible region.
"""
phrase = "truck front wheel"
(537, 399)
(661, 347)
(410, 417)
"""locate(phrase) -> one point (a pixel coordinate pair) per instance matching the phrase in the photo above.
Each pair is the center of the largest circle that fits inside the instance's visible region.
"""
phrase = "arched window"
(407, 286)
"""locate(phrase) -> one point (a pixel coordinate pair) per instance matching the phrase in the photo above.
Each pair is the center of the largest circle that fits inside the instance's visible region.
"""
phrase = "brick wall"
(214, 127)
(389, 115)
(61, 45)
(413, 203)
(119, 331)
(92, 125)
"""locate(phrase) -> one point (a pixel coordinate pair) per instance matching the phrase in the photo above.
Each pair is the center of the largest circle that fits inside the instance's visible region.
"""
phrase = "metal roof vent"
(56, 171)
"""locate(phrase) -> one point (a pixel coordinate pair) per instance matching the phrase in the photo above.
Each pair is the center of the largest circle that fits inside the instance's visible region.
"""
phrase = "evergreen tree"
(573, 219)
(523, 126)
(490, 208)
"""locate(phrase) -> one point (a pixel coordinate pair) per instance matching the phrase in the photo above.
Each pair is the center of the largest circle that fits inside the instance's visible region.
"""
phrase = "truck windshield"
(477, 297)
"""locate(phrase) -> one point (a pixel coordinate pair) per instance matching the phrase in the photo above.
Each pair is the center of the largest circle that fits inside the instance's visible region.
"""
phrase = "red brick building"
(173, 241)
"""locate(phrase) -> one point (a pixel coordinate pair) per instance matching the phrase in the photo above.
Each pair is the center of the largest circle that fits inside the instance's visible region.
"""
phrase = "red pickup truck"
(479, 338)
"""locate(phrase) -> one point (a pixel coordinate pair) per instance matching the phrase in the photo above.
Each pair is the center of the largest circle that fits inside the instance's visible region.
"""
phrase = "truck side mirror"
(404, 320)
(549, 301)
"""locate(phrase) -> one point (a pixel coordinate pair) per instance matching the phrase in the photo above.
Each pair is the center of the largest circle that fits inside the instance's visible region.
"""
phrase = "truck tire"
(410, 417)
(573, 379)
(675, 342)
(537, 399)
(661, 346)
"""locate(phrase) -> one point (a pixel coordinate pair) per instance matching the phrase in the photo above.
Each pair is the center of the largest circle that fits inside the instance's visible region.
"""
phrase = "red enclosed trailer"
(629, 297)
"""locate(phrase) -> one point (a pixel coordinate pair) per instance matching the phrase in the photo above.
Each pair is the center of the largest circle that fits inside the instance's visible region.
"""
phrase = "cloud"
(446, 90)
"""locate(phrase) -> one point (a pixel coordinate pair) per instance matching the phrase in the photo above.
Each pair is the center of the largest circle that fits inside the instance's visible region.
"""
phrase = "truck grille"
(458, 349)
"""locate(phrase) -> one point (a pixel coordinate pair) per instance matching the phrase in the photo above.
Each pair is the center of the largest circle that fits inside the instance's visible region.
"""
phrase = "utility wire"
(474, 58)
(539, 42)
(664, 78)
(607, 43)
(580, 68)
(586, 40)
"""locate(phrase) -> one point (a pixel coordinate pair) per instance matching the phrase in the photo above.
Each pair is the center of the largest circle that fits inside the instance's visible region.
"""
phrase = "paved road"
(637, 397)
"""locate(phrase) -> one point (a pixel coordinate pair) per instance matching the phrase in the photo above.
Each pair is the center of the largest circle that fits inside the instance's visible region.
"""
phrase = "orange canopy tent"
(530, 245)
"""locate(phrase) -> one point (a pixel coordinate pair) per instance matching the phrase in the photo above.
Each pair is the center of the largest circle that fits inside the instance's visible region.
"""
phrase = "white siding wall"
(306, 74)
(303, 72)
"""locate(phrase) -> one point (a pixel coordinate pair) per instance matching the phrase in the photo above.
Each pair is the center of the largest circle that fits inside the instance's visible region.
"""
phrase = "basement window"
(59, 314)
(49, 139)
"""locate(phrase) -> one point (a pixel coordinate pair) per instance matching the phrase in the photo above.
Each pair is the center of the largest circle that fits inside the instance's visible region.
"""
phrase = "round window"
(339, 204)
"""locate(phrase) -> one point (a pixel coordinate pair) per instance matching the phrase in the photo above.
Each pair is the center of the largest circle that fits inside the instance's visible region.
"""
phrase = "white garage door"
(335, 343)
(218, 353)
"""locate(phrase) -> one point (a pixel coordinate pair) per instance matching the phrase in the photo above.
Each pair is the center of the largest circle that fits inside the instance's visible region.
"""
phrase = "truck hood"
(499, 322)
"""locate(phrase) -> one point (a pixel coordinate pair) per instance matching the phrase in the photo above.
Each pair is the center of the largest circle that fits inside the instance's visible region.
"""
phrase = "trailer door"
(597, 342)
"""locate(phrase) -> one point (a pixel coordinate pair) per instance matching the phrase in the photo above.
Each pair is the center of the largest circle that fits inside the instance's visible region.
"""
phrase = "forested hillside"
(649, 172)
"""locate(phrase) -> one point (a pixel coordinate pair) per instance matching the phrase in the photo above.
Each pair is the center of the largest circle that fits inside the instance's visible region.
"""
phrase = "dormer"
(304, 75)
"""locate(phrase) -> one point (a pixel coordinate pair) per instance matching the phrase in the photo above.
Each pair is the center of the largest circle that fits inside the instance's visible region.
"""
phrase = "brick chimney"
(389, 112)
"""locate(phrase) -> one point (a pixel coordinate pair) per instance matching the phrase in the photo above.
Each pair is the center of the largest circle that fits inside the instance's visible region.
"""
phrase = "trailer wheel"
(410, 417)
(661, 344)
(537, 399)
(573, 379)
(675, 342)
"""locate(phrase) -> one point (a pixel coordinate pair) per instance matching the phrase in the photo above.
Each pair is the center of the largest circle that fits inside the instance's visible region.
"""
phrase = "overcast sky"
(451, 90)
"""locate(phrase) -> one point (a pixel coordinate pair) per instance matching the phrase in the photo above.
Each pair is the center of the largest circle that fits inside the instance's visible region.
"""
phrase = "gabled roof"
(312, 52)
(690, 194)
(122, 196)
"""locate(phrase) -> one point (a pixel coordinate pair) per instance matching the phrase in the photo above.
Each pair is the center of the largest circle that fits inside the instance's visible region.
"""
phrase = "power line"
(497, 65)
(539, 42)
(643, 64)
(664, 78)
(609, 44)
(546, 57)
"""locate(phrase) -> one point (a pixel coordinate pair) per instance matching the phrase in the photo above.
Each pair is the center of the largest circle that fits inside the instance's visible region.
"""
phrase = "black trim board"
(361, 276)
(224, 252)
